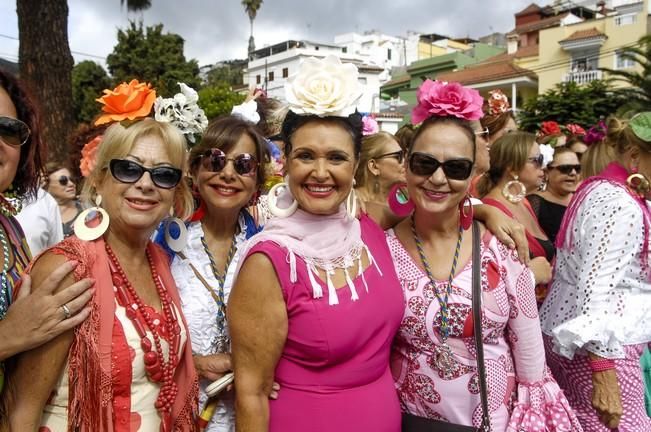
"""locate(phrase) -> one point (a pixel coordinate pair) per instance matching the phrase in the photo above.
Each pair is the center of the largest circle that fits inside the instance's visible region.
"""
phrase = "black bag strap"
(477, 321)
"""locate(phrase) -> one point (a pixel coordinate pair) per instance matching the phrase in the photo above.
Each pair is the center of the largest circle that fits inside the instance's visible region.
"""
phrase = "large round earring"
(466, 213)
(83, 231)
(176, 238)
(272, 201)
(351, 202)
(519, 195)
(399, 202)
(638, 184)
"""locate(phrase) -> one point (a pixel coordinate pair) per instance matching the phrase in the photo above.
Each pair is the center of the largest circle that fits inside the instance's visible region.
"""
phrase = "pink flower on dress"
(89, 155)
(437, 98)
(369, 125)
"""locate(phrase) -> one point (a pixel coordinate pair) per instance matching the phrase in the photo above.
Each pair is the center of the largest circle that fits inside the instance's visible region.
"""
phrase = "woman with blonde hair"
(597, 318)
(129, 366)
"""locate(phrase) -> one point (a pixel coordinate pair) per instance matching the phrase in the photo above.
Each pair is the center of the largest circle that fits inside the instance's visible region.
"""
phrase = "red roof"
(584, 34)
(544, 23)
(529, 9)
(528, 51)
(486, 72)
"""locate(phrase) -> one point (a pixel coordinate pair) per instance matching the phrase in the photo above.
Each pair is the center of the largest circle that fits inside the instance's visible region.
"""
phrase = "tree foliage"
(571, 103)
(150, 55)
(217, 100)
(638, 95)
(229, 72)
(88, 81)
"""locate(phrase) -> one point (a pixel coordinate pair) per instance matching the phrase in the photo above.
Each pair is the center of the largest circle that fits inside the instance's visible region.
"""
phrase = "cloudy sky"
(217, 30)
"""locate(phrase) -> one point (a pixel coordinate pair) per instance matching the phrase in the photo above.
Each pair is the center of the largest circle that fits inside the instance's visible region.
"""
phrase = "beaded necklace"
(444, 359)
(158, 369)
(221, 341)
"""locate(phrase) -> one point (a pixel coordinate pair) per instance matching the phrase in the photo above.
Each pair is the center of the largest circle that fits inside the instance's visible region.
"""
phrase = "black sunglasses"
(566, 169)
(63, 180)
(398, 155)
(128, 171)
(13, 131)
(215, 160)
(422, 164)
(537, 160)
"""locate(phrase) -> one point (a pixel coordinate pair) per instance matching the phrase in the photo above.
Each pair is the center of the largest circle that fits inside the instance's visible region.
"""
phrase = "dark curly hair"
(34, 151)
(352, 124)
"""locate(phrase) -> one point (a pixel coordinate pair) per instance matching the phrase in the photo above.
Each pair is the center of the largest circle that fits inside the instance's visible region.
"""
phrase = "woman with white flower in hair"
(316, 302)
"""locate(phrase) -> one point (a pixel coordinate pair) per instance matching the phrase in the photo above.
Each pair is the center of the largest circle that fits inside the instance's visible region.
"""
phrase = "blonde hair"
(118, 141)
(511, 151)
(621, 137)
(372, 147)
(596, 158)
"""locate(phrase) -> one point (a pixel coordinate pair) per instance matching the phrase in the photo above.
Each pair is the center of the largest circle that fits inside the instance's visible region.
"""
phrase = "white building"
(378, 49)
(269, 67)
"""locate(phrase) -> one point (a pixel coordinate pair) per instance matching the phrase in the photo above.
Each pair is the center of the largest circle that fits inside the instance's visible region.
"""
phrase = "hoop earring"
(517, 197)
(466, 213)
(176, 244)
(272, 201)
(638, 184)
(351, 202)
(83, 231)
(399, 202)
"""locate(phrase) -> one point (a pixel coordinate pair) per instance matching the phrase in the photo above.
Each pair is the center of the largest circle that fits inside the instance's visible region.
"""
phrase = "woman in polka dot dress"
(597, 317)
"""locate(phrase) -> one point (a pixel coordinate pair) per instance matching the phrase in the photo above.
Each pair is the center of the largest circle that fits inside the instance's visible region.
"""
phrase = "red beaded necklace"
(158, 370)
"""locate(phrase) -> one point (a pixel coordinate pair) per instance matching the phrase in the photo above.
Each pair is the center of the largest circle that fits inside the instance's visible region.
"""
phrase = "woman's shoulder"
(606, 200)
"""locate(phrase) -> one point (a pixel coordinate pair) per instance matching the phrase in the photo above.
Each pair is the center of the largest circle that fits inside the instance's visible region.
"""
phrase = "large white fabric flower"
(547, 152)
(183, 112)
(324, 87)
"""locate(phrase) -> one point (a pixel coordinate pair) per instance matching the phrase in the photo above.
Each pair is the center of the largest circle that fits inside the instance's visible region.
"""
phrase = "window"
(622, 62)
(257, 79)
(627, 19)
(271, 76)
(388, 53)
(344, 50)
(361, 80)
(285, 72)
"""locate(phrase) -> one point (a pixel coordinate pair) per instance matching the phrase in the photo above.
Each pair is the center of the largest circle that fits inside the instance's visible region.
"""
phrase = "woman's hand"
(214, 366)
(507, 230)
(38, 316)
(542, 270)
(606, 397)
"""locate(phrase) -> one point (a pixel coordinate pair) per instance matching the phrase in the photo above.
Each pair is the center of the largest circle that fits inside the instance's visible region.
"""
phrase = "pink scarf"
(614, 174)
(326, 242)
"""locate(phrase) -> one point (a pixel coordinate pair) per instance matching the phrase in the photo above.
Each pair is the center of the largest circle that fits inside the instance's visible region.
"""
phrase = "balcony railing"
(583, 77)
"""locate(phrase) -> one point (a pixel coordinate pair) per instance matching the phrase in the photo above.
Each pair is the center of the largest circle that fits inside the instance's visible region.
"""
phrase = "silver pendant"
(444, 358)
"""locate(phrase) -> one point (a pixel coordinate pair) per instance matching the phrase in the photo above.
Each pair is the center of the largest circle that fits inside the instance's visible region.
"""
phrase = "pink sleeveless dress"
(334, 370)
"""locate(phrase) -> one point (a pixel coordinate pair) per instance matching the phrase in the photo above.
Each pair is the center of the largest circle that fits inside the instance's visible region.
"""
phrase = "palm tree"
(251, 7)
(638, 94)
(136, 5)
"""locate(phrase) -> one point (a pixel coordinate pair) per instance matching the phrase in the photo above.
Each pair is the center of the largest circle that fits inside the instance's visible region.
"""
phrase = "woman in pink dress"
(434, 356)
(317, 302)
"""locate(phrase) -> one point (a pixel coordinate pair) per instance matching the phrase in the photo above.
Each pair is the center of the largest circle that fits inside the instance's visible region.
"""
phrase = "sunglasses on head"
(398, 155)
(537, 160)
(425, 165)
(566, 169)
(215, 160)
(128, 171)
(63, 180)
(13, 131)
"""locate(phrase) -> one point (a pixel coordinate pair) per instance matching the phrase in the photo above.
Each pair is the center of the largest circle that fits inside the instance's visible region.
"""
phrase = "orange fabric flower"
(126, 101)
(89, 156)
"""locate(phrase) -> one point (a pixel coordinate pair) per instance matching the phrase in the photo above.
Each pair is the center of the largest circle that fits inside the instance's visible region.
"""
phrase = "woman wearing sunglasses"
(228, 172)
(515, 171)
(563, 175)
(130, 366)
(434, 359)
(62, 186)
(381, 165)
(35, 315)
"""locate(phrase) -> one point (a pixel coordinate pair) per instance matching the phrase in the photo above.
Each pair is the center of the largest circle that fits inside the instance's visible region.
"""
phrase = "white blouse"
(600, 296)
(200, 309)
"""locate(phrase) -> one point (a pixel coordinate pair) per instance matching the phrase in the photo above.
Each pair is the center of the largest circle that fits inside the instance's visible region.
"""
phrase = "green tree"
(229, 71)
(88, 81)
(638, 95)
(217, 100)
(570, 103)
(150, 55)
(251, 8)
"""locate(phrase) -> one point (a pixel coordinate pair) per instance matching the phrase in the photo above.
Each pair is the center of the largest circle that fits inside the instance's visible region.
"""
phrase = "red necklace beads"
(158, 370)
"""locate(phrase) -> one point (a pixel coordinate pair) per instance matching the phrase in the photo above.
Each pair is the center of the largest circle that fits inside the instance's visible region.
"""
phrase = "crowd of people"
(290, 267)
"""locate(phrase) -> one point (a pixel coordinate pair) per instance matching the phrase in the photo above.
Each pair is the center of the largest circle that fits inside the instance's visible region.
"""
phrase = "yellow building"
(575, 52)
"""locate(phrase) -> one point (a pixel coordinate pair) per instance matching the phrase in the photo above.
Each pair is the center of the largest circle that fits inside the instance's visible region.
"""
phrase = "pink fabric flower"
(89, 155)
(596, 133)
(575, 129)
(498, 103)
(437, 98)
(369, 126)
